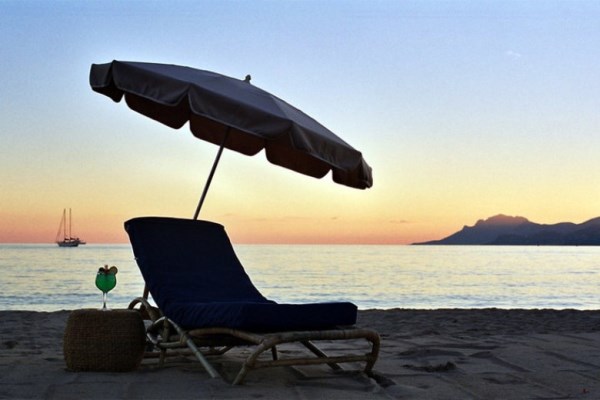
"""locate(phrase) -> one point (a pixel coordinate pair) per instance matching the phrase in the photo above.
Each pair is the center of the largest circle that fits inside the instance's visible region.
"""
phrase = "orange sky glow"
(463, 111)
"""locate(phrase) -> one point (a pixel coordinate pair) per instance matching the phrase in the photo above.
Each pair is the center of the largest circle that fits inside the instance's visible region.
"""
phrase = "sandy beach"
(425, 354)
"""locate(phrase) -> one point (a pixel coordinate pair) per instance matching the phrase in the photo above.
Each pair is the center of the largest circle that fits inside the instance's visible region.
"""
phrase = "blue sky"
(464, 109)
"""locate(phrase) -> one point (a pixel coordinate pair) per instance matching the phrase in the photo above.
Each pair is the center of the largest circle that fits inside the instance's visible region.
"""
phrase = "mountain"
(506, 230)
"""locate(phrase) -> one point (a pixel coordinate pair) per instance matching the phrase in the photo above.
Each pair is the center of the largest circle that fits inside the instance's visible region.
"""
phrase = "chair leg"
(184, 337)
(251, 360)
(209, 368)
(319, 353)
(274, 352)
(163, 351)
(375, 340)
(162, 357)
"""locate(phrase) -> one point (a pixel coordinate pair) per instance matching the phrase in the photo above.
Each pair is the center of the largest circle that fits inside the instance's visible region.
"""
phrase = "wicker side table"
(98, 340)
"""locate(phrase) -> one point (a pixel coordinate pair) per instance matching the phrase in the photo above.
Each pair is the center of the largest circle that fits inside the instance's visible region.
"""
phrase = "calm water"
(46, 277)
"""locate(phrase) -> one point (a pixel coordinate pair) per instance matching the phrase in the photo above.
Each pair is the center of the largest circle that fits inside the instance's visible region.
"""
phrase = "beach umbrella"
(233, 114)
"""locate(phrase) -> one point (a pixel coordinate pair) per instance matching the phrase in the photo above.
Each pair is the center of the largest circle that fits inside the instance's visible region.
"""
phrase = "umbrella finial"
(247, 79)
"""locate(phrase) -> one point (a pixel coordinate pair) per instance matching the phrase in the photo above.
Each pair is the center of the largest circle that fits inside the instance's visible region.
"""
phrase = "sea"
(45, 277)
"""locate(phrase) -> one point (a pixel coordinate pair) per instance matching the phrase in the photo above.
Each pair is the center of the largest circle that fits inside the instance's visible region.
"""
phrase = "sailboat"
(67, 239)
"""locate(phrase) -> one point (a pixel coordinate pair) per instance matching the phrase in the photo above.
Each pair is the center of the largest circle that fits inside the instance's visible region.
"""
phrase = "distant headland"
(507, 230)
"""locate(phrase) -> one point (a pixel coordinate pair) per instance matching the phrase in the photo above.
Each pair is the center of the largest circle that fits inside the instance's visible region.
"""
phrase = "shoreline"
(425, 354)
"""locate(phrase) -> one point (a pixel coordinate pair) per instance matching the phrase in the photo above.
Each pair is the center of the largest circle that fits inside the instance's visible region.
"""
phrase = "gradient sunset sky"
(464, 110)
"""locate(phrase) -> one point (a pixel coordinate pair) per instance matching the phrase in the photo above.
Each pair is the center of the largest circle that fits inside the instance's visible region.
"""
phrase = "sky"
(464, 110)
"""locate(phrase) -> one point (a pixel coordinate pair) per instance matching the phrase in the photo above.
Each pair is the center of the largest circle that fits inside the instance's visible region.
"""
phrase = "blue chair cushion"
(263, 317)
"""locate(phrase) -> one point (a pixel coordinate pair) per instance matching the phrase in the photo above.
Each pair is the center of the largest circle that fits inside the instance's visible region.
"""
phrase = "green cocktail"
(106, 280)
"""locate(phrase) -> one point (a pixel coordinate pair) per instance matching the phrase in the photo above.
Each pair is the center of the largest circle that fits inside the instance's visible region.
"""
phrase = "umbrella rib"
(212, 173)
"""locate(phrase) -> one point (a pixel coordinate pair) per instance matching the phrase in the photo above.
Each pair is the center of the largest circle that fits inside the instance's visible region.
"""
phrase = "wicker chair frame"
(166, 338)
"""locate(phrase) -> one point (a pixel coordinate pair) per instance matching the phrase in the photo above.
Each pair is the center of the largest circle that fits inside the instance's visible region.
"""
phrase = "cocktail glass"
(106, 280)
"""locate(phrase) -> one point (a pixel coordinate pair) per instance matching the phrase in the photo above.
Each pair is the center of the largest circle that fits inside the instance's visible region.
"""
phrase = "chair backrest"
(192, 261)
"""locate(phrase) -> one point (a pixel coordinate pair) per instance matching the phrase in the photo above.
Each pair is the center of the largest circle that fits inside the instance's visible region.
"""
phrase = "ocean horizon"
(44, 277)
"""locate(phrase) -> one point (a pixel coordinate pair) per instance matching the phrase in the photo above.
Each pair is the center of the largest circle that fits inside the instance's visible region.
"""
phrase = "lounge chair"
(205, 299)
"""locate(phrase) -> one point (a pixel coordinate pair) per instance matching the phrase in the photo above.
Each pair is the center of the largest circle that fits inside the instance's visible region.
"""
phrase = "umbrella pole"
(212, 173)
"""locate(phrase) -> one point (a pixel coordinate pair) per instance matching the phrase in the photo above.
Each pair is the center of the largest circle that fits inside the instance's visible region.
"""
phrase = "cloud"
(399, 221)
(513, 54)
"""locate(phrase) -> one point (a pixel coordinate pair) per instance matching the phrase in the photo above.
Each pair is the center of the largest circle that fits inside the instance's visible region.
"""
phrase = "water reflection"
(45, 277)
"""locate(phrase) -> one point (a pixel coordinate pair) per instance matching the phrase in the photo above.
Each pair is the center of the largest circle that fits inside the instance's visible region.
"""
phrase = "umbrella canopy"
(233, 114)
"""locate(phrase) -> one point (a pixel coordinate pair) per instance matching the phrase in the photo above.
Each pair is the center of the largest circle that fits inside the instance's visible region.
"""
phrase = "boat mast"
(70, 224)
(61, 227)
(64, 222)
